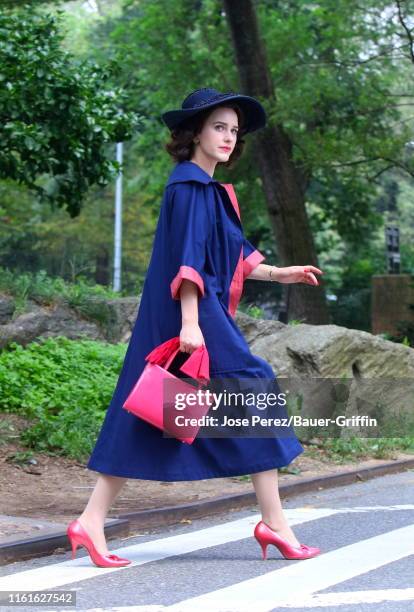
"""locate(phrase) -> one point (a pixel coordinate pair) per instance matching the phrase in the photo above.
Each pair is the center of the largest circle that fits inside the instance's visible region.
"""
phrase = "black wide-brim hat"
(200, 99)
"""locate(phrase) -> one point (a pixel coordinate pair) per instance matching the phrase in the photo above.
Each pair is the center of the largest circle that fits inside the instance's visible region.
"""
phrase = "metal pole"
(118, 223)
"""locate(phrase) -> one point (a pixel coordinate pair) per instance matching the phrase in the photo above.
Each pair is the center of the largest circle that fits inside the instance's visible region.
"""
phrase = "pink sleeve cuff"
(251, 262)
(190, 274)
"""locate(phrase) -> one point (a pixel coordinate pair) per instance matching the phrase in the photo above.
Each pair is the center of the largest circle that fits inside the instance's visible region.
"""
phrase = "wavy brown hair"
(181, 146)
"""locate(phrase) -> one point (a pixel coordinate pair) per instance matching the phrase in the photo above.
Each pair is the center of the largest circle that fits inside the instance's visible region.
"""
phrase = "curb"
(173, 514)
(28, 548)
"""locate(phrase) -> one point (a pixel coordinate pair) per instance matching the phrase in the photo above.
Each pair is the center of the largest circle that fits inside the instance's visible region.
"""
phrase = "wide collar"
(190, 171)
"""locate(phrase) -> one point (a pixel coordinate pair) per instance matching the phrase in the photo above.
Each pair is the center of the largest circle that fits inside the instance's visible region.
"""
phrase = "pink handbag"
(152, 398)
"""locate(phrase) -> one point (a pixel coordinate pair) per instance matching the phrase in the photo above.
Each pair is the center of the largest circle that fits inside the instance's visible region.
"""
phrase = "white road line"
(67, 572)
(290, 583)
(324, 600)
(149, 608)
(376, 508)
(351, 598)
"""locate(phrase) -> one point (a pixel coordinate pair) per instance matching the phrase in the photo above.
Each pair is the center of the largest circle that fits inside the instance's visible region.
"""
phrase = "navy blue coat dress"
(199, 237)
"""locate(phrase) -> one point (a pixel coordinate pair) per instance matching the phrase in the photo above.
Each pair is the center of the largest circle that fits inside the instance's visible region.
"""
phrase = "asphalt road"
(365, 531)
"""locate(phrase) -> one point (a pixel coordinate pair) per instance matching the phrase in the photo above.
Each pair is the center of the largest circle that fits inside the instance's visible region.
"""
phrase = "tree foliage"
(57, 114)
(13, 5)
(339, 71)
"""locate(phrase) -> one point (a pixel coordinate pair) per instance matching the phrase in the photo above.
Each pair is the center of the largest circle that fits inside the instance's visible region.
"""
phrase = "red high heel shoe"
(78, 537)
(265, 536)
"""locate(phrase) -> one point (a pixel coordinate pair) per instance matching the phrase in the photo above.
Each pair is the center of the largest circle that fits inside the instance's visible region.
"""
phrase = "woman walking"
(194, 282)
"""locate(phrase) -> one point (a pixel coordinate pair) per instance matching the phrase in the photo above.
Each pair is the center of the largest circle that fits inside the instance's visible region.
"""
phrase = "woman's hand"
(298, 274)
(191, 337)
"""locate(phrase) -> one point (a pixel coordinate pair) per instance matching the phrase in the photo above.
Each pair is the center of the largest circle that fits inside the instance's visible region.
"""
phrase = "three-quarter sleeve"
(251, 257)
(190, 227)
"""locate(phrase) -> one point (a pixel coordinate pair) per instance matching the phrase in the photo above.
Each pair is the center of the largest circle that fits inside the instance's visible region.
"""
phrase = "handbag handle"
(171, 358)
(196, 366)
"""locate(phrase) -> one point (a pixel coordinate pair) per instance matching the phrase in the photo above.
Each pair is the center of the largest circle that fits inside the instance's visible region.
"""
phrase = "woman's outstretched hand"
(191, 337)
(298, 274)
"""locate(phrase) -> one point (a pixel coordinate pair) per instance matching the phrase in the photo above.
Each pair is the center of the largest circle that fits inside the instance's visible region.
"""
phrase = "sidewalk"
(154, 504)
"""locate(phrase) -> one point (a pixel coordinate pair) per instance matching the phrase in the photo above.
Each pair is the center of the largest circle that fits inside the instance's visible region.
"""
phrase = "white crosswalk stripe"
(326, 600)
(260, 593)
(67, 572)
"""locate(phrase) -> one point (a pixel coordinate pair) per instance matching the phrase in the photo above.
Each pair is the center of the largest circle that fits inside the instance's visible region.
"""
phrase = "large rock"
(326, 350)
(338, 371)
(96, 319)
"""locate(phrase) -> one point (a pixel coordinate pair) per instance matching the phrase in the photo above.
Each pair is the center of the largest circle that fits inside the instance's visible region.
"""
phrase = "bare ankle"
(91, 521)
(275, 524)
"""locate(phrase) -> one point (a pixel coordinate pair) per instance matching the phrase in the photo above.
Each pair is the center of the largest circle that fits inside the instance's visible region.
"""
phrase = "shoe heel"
(74, 545)
(263, 546)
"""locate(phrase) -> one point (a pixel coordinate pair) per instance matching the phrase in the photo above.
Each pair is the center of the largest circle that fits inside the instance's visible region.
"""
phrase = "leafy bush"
(251, 309)
(65, 386)
(47, 290)
(340, 449)
(59, 114)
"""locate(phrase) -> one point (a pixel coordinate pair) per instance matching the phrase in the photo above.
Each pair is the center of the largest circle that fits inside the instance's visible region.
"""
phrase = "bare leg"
(93, 517)
(267, 493)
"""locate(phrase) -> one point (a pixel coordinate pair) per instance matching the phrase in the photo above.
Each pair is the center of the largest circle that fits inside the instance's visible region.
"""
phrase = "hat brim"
(254, 113)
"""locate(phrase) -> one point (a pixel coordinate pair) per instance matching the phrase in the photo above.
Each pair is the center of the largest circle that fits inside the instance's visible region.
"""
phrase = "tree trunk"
(102, 268)
(284, 183)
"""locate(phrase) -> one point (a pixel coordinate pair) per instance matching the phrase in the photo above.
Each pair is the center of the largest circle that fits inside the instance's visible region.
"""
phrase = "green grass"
(344, 450)
(47, 290)
(63, 387)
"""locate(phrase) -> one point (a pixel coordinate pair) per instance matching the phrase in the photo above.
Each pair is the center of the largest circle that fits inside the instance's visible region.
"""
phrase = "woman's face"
(219, 134)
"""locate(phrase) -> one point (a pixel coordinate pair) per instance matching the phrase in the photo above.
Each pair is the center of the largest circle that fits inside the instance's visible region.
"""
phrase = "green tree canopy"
(57, 114)
(340, 71)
